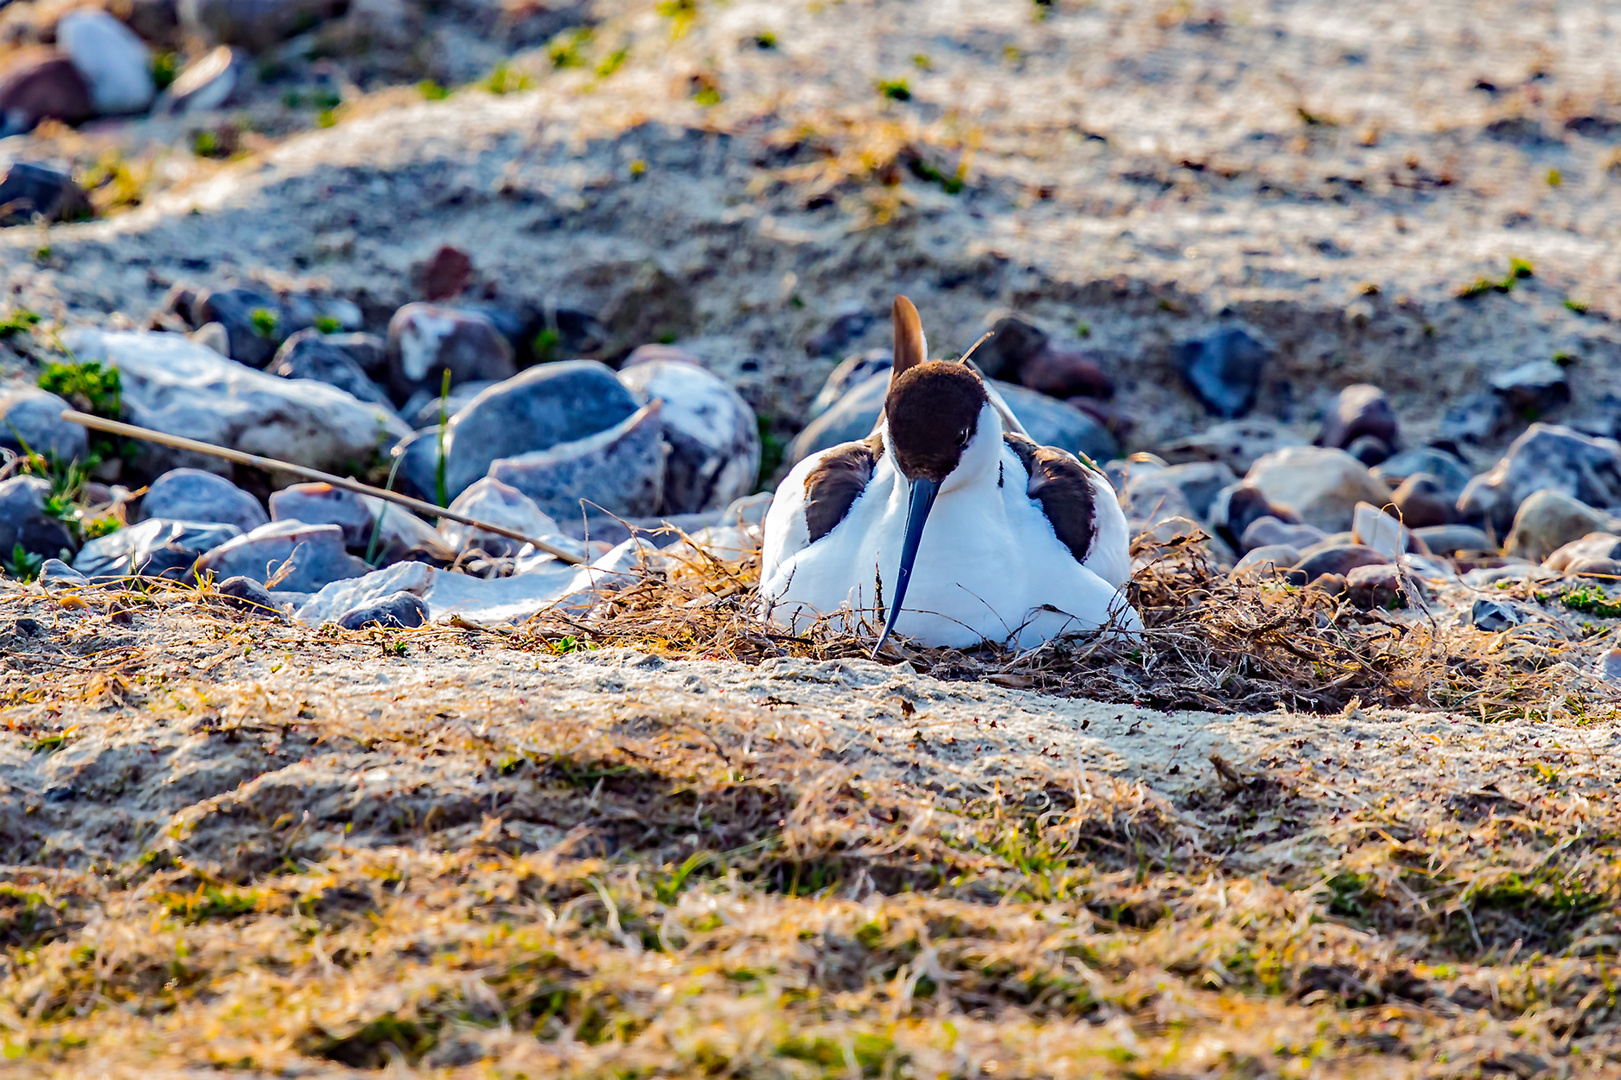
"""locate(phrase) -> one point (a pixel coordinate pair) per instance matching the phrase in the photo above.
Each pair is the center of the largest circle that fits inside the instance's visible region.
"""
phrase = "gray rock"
(533, 411)
(245, 594)
(398, 532)
(499, 504)
(310, 354)
(1608, 666)
(312, 557)
(30, 415)
(486, 601)
(23, 520)
(1268, 531)
(368, 351)
(1423, 500)
(1321, 484)
(214, 335)
(1238, 444)
(846, 328)
(1545, 456)
(1449, 540)
(116, 65)
(1539, 386)
(211, 81)
(1269, 560)
(1475, 418)
(1360, 410)
(416, 469)
(28, 190)
(426, 340)
(1200, 482)
(1341, 559)
(397, 611)
(1548, 520)
(1369, 450)
(1453, 474)
(1378, 530)
(154, 548)
(1370, 587)
(1238, 506)
(851, 418)
(711, 437)
(255, 25)
(195, 495)
(619, 471)
(177, 386)
(40, 84)
(255, 321)
(1594, 547)
(56, 573)
(851, 372)
(1014, 342)
(1224, 369)
(1493, 616)
(423, 410)
(1149, 499)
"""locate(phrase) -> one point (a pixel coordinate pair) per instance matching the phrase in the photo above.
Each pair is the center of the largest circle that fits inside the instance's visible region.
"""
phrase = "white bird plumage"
(989, 565)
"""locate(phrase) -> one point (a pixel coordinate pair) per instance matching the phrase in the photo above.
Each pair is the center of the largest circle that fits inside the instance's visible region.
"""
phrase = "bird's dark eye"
(963, 438)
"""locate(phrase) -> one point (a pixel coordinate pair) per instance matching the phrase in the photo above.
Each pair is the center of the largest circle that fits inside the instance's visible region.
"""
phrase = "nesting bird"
(949, 520)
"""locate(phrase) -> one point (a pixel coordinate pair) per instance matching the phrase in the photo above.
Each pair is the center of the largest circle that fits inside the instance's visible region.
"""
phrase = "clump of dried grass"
(1213, 642)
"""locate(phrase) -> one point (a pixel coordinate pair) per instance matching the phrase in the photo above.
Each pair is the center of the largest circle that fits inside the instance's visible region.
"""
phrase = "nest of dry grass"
(1213, 643)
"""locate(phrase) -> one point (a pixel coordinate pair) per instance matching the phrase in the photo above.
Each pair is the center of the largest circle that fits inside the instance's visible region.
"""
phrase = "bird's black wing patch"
(836, 482)
(1060, 484)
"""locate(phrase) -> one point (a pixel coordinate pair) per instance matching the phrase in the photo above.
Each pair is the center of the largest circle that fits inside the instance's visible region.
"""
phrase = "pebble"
(535, 410)
(312, 555)
(180, 387)
(255, 322)
(1224, 369)
(425, 340)
(309, 354)
(1268, 531)
(619, 471)
(424, 410)
(490, 500)
(486, 601)
(155, 548)
(399, 533)
(1475, 418)
(28, 190)
(1332, 584)
(1200, 482)
(1340, 559)
(55, 572)
(41, 84)
(1598, 568)
(1449, 540)
(209, 82)
(1150, 500)
(248, 595)
(1608, 666)
(1447, 468)
(255, 25)
(195, 495)
(397, 611)
(851, 372)
(1237, 506)
(32, 416)
(1422, 501)
(1369, 449)
(1376, 529)
(1062, 372)
(1238, 444)
(1358, 411)
(1371, 586)
(1545, 456)
(23, 519)
(116, 65)
(445, 274)
(1015, 342)
(1269, 560)
(1493, 616)
(1321, 484)
(1550, 519)
(711, 436)
(1536, 387)
(215, 336)
(845, 329)
(1594, 547)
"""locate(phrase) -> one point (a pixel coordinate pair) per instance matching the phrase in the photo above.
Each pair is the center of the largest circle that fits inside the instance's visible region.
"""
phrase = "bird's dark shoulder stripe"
(838, 479)
(1060, 484)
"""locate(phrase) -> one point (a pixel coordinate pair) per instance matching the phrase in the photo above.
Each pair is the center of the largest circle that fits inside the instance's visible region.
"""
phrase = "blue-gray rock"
(426, 340)
(312, 557)
(397, 611)
(397, 530)
(1536, 387)
(1447, 468)
(116, 65)
(711, 437)
(1050, 422)
(195, 495)
(1475, 418)
(1449, 540)
(416, 465)
(310, 354)
(851, 372)
(248, 595)
(1200, 482)
(533, 411)
(29, 188)
(255, 321)
(423, 410)
(845, 329)
(1224, 369)
(1493, 616)
(30, 415)
(255, 25)
(154, 548)
(499, 504)
(619, 471)
(1358, 411)
(1369, 449)
(209, 82)
(55, 572)
(23, 520)
(178, 386)
(1268, 531)
(1545, 456)
(1340, 559)
(368, 351)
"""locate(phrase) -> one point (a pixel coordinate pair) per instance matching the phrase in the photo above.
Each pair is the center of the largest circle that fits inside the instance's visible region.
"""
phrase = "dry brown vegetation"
(578, 882)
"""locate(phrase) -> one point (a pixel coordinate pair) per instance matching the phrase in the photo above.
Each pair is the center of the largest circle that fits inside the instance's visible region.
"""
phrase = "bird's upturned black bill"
(917, 512)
